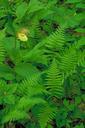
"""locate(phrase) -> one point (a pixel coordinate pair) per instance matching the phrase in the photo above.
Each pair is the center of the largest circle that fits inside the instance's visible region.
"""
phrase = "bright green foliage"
(42, 63)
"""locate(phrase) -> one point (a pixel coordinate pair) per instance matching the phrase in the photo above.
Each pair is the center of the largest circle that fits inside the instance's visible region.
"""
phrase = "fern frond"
(31, 87)
(54, 80)
(56, 40)
(14, 115)
(46, 114)
(53, 44)
(26, 103)
(2, 48)
(81, 58)
(68, 61)
(2, 53)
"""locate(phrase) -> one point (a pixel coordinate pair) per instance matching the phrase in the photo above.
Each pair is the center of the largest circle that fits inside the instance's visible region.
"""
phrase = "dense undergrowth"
(42, 62)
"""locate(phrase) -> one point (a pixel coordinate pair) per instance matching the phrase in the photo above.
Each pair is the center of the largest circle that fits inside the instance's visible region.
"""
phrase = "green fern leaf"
(54, 43)
(54, 80)
(46, 114)
(31, 87)
(68, 61)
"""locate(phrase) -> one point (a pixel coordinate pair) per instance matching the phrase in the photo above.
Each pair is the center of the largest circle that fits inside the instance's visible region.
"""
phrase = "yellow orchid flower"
(22, 35)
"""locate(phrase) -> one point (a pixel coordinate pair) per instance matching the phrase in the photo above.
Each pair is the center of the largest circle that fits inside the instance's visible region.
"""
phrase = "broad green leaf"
(25, 70)
(21, 10)
(34, 6)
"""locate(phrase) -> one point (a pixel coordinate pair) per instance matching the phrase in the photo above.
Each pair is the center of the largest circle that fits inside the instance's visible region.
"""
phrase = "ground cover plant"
(42, 60)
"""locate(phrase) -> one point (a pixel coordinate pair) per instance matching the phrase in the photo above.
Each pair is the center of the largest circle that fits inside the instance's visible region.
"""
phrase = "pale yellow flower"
(22, 34)
(22, 37)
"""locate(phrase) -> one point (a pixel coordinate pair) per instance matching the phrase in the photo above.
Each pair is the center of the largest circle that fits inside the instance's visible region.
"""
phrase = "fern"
(68, 61)
(7, 93)
(31, 87)
(54, 43)
(56, 40)
(26, 103)
(45, 114)
(28, 93)
(31, 92)
(13, 115)
(54, 80)
(2, 49)
(2, 53)
(48, 48)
